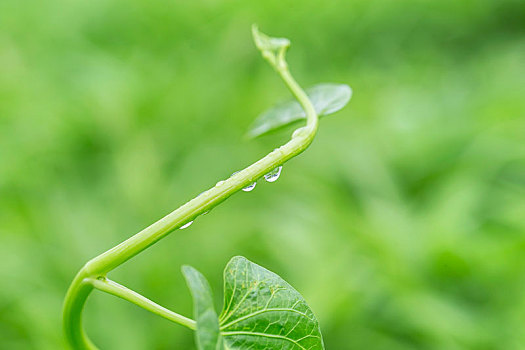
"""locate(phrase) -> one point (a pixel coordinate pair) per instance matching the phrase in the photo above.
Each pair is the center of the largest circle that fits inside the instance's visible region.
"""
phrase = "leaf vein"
(256, 313)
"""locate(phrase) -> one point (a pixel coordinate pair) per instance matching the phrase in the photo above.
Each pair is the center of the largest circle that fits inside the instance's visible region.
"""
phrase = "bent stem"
(93, 274)
(76, 297)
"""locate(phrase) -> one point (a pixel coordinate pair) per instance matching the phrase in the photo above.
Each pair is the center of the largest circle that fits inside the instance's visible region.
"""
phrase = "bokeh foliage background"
(403, 225)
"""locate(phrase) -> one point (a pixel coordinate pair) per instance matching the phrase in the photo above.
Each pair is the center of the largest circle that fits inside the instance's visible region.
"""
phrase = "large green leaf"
(261, 312)
(207, 335)
(326, 98)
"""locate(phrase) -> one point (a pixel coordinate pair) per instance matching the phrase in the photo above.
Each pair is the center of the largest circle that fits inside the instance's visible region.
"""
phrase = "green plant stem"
(99, 266)
(113, 288)
(74, 304)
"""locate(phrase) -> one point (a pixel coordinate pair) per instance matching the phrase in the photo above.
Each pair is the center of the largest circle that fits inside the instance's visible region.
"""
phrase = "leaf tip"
(237, 258)
(350, 91)
(267, 43)
(255, 30)
(188, 271)
(257, 39)
(249, 135)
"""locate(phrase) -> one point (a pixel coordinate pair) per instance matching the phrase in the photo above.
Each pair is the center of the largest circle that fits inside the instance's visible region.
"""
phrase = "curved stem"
(118, 290)
(76, 297)
(98, 267)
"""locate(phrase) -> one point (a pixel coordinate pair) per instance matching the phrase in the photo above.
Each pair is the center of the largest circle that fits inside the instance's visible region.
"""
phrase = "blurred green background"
(403, 225)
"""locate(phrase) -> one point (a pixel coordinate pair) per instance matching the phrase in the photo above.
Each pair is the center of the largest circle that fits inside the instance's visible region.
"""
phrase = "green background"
(403, 225)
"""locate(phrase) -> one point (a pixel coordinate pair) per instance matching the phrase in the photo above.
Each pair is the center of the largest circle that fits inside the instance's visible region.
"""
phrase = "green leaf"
(327, 99)
(261, 311)
(267, 43)
(207, 335)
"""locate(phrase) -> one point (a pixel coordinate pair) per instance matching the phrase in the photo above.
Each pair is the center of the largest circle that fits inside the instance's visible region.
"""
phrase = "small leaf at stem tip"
(267, 43)
(327, 98)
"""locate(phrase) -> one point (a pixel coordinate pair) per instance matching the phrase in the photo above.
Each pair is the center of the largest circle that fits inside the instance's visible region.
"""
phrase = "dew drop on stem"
(274, 174)
(186, 225)
(250, 187)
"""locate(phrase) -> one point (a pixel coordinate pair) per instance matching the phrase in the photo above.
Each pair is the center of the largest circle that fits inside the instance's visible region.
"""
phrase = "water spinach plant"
(261, 310)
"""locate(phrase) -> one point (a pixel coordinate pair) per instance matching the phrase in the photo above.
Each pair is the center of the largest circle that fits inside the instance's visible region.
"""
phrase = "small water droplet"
(273, 175)
(219, 183)
(186, 225)
(250, 187)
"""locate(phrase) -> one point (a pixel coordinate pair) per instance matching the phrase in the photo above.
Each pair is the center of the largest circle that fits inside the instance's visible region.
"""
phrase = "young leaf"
(267, 43)
(261, 311)
(207, 335)
(327, 98)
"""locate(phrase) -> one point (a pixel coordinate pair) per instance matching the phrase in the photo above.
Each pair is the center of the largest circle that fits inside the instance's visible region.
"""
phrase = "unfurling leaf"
(326, 98)
(268, 43)
(261, 312)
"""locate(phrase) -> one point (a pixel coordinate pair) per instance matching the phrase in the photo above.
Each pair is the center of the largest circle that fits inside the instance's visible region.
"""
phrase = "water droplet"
(186, 225)
(274, 174)
(219, 183)
(250, 187)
